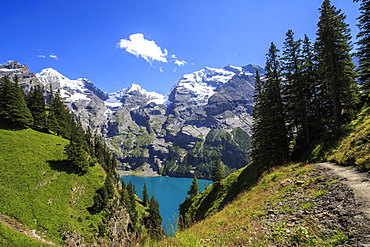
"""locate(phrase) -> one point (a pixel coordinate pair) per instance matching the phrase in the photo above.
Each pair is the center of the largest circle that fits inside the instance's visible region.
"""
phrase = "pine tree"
(145, 196)
(76, 150)
(59, 118)
(36, 104)
(218, 171)
(13, 105)
(270, 143)
(259, 124)
(194, 188)
(363, 51)
(154, 221)
(338, 88)
(311, 78)
(297, 94)
(131, 203)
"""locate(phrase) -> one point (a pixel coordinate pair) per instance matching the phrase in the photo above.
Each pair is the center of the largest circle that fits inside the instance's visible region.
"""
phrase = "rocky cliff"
(204, 116)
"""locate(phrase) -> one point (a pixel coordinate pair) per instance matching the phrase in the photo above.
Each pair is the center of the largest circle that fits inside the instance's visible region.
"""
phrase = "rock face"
(203, 117)
(25, 77)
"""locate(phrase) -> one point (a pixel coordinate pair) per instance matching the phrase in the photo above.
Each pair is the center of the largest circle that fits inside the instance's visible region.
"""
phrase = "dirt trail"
(358, 182)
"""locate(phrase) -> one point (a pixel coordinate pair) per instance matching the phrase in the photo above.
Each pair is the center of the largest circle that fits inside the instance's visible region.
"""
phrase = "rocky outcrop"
(25, 77)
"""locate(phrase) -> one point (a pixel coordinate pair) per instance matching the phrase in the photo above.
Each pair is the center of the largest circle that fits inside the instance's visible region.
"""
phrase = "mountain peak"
(13, 66)
(48, 75)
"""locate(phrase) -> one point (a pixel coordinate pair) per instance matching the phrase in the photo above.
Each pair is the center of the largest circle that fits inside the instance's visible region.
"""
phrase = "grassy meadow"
(39, 191)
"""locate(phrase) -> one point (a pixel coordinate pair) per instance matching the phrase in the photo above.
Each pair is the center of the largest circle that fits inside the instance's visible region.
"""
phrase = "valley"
(206, 114)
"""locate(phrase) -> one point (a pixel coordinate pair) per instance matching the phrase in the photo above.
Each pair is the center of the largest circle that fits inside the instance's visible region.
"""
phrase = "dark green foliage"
(363, 49)
(299, 93)
(270, 144)
(131, 203)
(13, 107)
(102, 196)
(218, 171)
(296, 92)
(145, 196)
(36, 104)
(76, 150)
(59, 119)
(194, 188)
(337, 85)
(154, 220)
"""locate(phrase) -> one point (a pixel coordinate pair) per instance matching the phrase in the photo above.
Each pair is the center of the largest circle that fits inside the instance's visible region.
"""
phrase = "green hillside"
(354, 149)
(236, 213)
(39, 192)
(247, 220)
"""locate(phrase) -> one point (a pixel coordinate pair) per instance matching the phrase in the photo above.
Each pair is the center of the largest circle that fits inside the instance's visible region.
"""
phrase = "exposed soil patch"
(358, 182)
(333, 198)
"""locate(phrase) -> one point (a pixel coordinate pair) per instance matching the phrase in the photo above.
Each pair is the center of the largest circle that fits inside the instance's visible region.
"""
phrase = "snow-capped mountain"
(143, 127)
(119, 98)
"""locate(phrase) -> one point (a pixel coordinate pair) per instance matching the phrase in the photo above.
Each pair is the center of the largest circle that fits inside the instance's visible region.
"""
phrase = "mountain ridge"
(133, 119)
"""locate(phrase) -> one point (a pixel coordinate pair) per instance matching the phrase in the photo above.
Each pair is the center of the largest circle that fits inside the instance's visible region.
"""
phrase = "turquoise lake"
(169, 192)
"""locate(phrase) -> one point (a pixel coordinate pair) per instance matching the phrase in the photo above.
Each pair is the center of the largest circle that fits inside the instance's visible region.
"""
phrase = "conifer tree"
(36, 104)
(259, 124)
(270, 144)
(154, 221)
(59, 118)
(13, 105)
(76, 150)
(145, 196)
(131, 205)
(297, 92)
(363, 51)
(337, 78)
(311, 78)
(218, 171)
(194, 188)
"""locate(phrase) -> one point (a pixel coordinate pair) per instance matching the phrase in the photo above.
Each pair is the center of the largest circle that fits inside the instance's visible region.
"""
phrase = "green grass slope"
(215, 197)
(38, 190)
(243, 222)
(354, 149)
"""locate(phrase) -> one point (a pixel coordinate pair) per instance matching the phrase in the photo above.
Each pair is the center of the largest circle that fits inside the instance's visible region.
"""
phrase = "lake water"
(169, 192)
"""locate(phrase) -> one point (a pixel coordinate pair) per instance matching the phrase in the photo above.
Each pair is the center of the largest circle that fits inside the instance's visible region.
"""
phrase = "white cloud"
(41, 56)
(180, 63)
(161, 69)
(147, 49)
(53, 56)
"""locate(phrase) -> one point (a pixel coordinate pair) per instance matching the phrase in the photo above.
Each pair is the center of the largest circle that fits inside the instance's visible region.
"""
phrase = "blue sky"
(115, 43)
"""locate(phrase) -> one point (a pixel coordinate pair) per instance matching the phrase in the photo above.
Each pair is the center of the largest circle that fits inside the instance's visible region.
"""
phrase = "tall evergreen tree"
(59, 118)
(131, 204)
(297, 94)
(363, 51)
(13, 107)
(218, 171)
(154, 221)
(194, 188)
(270, 143)
(76, 150)
(310, 76)
(145, 196)
(338, 87)
(36, 104)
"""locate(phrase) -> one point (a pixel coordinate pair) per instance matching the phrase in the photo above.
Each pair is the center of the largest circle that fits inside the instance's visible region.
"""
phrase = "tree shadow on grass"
(62, 166)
